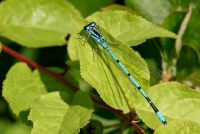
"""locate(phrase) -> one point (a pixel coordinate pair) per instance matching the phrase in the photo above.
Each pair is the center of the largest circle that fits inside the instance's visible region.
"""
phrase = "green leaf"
(182, 58)
(57, 113)
(172, 22)
(147, 9)
(21, 86)
(37, 23)
(174, 101)
(179, 127)
(95, 70)
(156, 10)
(192, 35)
(94, 66)
(132, 29)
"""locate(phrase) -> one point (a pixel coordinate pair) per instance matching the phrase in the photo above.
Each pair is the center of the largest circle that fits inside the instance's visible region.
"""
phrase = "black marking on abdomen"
(106, 48)
(129, 74)
(117, 61)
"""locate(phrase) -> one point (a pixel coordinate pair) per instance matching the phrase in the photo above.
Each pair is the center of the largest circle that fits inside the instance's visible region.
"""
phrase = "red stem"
(37, 66)
(131, 114)
(60, 78)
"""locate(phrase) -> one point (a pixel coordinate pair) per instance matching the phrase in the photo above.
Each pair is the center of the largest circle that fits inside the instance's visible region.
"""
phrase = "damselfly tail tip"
(164, 122)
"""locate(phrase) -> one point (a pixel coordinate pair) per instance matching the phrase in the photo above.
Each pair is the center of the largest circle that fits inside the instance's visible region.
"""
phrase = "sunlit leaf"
(21, 86)
(37, 23)
(57, 113)
(179, 127)
(132, 29)
(174, 100)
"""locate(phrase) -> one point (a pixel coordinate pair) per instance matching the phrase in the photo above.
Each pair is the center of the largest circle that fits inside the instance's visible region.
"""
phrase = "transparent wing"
(134, 60)
(104, 74)
(128, 86)
(121, 84)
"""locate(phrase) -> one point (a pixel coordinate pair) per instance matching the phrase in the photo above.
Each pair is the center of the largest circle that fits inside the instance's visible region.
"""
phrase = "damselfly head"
(89, 26)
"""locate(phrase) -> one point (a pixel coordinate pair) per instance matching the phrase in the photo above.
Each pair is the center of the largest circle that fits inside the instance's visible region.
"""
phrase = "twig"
(178, 43)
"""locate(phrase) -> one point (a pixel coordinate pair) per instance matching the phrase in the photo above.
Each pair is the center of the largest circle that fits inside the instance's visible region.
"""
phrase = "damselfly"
(93, 32)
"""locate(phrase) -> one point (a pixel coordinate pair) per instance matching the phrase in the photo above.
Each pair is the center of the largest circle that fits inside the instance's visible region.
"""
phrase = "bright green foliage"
(94, 65)
(21, 86)
(132, 29)
(57, 113)
(95, 71)
(54, 107)
(174, 100)
(37, 23)
(179, 127)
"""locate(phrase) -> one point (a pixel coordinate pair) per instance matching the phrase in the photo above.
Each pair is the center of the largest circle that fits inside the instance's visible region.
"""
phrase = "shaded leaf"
(8, 127)
(156, 10)
(188, 62)
(194, 78)
(192, 35)
(172, 22)
(94, 126)
(57, 113)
